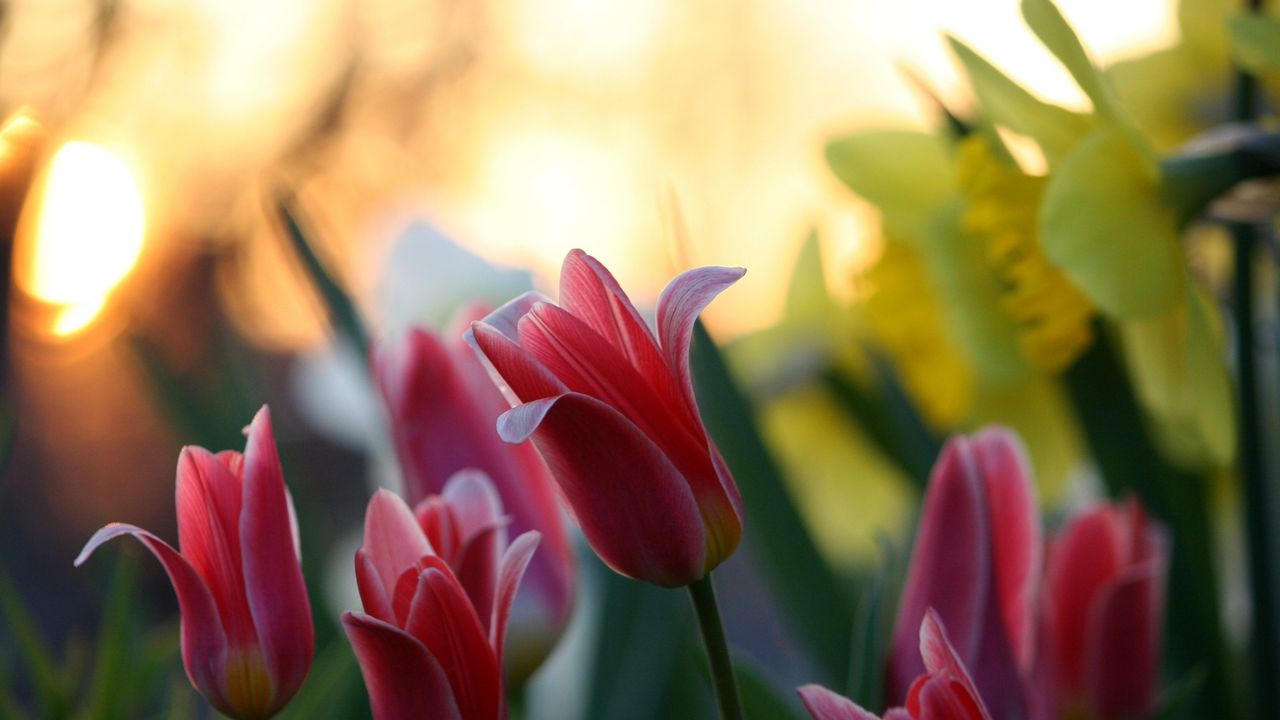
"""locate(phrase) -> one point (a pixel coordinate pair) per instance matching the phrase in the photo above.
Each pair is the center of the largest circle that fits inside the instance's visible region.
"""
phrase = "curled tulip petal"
(204, 645)
(644, 521)
(514, 563)
(405, 682)
(823, 704)
(681, 302)
(590, 293)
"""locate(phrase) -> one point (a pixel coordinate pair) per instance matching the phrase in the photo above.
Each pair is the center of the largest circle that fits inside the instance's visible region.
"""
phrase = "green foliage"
(1255, 43)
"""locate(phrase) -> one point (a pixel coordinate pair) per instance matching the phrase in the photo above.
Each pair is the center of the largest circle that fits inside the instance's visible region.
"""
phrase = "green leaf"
(110, 686)
(1103, 223)
(52, 695)
(760, 699)
(813, 597)
(807, 296)
(872, 630)
(1255, 42)
(642, 634)
(342, 311)
(334, 682)
(1176, 703)
(1007, 103)
(903, 173)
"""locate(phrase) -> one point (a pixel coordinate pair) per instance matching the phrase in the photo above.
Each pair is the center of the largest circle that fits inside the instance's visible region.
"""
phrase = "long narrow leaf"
(813, 596)
(52, 696)
(110, 688)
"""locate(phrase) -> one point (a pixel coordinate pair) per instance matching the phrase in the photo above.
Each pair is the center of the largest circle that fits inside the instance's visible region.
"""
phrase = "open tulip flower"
(977, 564)
(437, 587)
(612, 410)
(247, 639)
(944, 692)
(1105, 607)
(443, 406)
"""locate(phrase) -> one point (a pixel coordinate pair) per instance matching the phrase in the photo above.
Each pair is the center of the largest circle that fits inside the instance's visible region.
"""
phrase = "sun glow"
(87, 234)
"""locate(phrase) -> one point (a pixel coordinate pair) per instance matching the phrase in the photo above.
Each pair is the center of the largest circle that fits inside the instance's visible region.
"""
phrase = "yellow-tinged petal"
(1007, 103)
(1103, 224)
(1255, 42)
(1176, 361)
(904, 173)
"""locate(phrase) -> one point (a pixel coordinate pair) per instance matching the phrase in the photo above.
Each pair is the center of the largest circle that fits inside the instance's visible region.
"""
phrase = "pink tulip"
(1105, 605)
(944, 692)
(443, 407)
(437, 589)
(612, 411)
(977, 563)
(247, 638)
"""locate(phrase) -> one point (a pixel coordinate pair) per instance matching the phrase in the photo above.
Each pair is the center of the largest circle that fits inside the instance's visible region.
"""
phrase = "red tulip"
(977, 562)
(944, 692)
(437, 590)
(443, 407)
(612, 411)
(247, 638)
(1105, 605)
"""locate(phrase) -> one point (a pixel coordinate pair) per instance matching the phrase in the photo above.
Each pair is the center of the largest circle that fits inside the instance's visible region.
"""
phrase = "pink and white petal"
(516, 373)
(1016, 543)
(392, 536)
(511, 570)
(590, 293)
(442, 618)
(1122, 647)
(274, 585)
(1091, 550)
(204, 643)
(405, 682)
(681, 302)
(634, 506)
(950, 566)
(942, 661)
(209, 500)
(375, 596)
(823, 704)
(505, 319)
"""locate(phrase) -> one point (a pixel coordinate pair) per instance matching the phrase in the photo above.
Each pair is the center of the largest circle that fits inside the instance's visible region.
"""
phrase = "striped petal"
(823, 704)
(678, 308)
(276, 593)
(204, 644)
(514, 563)
(405, 682)
(392, 537)
(635, 508)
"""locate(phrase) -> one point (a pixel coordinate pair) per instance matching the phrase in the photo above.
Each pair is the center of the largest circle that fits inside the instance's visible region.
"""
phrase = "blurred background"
(438, 150)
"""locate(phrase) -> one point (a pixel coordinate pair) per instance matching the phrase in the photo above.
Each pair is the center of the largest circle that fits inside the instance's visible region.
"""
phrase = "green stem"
(703, 593)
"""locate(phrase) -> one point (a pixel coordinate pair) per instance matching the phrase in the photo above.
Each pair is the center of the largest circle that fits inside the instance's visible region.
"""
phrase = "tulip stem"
(703, 593)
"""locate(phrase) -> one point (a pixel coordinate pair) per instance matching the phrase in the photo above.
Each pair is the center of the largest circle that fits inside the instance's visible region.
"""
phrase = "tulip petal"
(442, 618)
(519, 376)
(1122, 648)
(204, 644)
(209, 497)
(405, 682)
(634, 506)
(955, 686)
(1016, 542)
(392, 537)
(483, 533)
(1089, 551)
(374, 595)
(274, 586)
(678, 308)
(823, 704)
(950, 566)
(514, 563)
(589, 292)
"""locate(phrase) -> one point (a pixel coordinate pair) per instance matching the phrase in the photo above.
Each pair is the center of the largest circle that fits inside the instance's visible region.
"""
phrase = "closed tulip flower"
(1105, 607)
(610, 406)
(437, 588)
(976, 562)
(443, 408)
(945, 691)
(247, 639)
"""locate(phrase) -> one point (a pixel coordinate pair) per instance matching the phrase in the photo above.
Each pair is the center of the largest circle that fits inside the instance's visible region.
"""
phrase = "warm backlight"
(88, 233)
